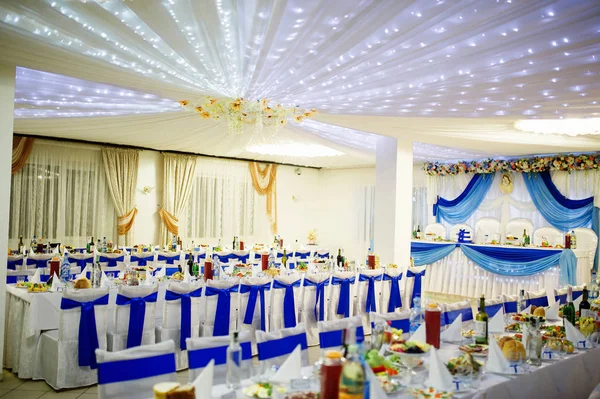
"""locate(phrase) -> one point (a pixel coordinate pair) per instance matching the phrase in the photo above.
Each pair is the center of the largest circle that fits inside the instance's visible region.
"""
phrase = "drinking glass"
(20, 279)
(551, 351)
(516, 359)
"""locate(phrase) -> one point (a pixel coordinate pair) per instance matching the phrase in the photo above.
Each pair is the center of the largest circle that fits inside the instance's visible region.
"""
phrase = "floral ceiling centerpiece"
(239, 112)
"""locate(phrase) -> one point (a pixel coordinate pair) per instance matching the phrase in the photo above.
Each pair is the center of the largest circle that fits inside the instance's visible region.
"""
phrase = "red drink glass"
(433, 317)
(371, 261)
(208, 270)
(264, 260)
(331, 370)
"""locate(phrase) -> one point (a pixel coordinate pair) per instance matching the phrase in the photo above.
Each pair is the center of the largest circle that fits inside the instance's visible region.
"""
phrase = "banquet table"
(456, 274)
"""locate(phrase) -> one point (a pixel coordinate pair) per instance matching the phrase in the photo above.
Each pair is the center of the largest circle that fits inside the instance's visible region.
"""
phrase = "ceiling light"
(569, 127)
(295, 150)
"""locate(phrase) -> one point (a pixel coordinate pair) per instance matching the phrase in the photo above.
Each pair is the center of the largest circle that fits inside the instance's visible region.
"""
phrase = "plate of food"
(389, 385)
(381, 365)
(513, 327)
(468, 333)
(272, 272)
(409, 348)
(262, 390)
(527, 317)
(177, 276)
(430, 393)
(302, 267)
(22, 284)
(464, 365)
(37, 287)
(475, 349)
(302, 395)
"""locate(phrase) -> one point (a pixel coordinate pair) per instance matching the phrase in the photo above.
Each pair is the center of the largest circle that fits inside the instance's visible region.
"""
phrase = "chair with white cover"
(553, 235)
(111, 260)
(204, 349)
(66, 357)
(515, 228)
(239, 256)
(133, 372)
(181, 318)
(489, 227)
(314, 304)
(274, 347)
(301, 255)
(510, 303)
(492, 306)
(391, 295)
(343, 288)
(454, 230)
(414, 284)
(399, 319)
(369, 287)
(171, 261)
(134, 318)
(322, 253)
(286, 296)
(254, 303)
(451, 311)
(435, 230)
(587, 241)
(536, 298)
(221, 304)
(560, 295)
(331, 333)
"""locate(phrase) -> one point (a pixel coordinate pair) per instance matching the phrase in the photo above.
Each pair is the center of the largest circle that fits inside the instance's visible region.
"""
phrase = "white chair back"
(133, 372)
(510, 303)
(172, 317)
(222, 301)
(435, 230)
(274, 347)
(451, 311)
(126, 326)
(331, 333)
(492, 306)
(368, 298)
(399, 319)
(204, 349)
(553, 235)
(415, 279)
(255, 298)
(391, 293)
(587, 241)
(322, 253)
(341, 294)
(454, 230)
(515, 228)
(486, 230)
(286, 296)
(314, 304)
(68, 329)
(537, 298)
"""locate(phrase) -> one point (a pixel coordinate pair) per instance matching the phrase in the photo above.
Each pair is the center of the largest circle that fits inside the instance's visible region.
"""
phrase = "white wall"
(150, 173)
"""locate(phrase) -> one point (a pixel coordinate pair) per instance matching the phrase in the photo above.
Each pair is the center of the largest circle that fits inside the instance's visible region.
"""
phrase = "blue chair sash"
(577, 294)
(223, 258)
(111, 261)
(400, 324)
(282, 346)
(39, 263)
(81, 262)
(241, 258)
(449, 317)
(371, 302)
(223, 311)
(510, 307)
(185, 330)
(136, 369)
(88, 333)
(163, 258)
(395, 300)
(344, 300)
(137, 312)
(330, 339)
(491, 310)
(255, 291)
(302, 255)
(12, 264)
(323, 255)
(541, 301)
(289, 305)
(199, 358)
(562, 299)
(202, 255)
(319, 297)
(417, 284)
(141, 260)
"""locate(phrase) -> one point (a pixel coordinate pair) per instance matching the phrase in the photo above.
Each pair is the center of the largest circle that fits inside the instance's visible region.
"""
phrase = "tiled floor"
(14, 388)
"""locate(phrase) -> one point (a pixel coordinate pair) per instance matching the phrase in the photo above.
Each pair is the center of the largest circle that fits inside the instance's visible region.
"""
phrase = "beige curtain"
(121, 167)
(179, 174)
(264, 180)
(20, 152)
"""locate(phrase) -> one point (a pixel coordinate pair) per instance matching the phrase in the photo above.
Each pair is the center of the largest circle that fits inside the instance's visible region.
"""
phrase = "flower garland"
(524, 165)
(238, 112)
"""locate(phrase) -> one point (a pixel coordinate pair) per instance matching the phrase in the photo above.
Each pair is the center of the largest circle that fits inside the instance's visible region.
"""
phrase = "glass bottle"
(234, 361)
(416, 316)
(533, 344)
(573, 240)
(593, 288)
(284, 258)
(569, 308)
(521, 302)
(481, 324)
(584, 306)
(340, 259)
(65, 268)
(104, 245)
(433, 318)
(331, 371)
(21, 246)
(353, 376)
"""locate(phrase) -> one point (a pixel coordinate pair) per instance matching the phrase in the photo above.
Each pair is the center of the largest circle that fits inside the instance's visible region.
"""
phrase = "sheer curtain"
(223, 203)
(61, 195)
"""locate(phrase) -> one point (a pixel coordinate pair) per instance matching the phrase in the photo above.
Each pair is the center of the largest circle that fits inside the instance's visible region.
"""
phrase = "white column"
(393, 200)
(7, 98)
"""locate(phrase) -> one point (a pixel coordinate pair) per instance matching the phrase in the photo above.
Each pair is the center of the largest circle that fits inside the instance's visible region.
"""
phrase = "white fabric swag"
(121, 167)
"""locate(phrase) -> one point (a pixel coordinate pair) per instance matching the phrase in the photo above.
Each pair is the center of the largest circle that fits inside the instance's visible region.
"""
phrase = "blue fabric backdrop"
(426, 253)
(462, 207)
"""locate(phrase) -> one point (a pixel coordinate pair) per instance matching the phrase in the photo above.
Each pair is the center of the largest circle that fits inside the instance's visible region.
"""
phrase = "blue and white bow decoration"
(88, 334)
(137, 313)
(185, 330)
(319, 296)
(222, 314)
(371, 301)
(289, 306)
(344, 300)
(416, 285)
(255, 291)
(395, 296)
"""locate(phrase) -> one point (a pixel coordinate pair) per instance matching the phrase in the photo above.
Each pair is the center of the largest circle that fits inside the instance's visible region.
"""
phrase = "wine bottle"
(353, 377)
(569, 308)
(584, 306)
(340, 259)
(21, 246)
(190, 264)
(418, 231)
(481, 324)
(524, 237)
(284, 258)
(234, 359)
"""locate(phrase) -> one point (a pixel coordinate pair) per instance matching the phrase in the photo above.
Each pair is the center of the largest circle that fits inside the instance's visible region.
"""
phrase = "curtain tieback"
(125, 222)
(169, 220)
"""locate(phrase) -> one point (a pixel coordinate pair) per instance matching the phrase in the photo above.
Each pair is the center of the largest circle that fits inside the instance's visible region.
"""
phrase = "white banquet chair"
(204, 349)
(454, 230)
(133, 372)
(515, 228)
(537, 298)
(587, 242)
(286, 296)
(302, 256)
(391, 293)
(177, 314)
(254, 306)
(221, 304)
(135, 328)
(492, 306)
(399, 319)
(322, 253)
(450, 312)
(553, 235)
(415, 278)
(274, 347)
(239, 256)
(510, 303)
(64, 358)
(314, 304)
(369, 287)
(486, 229)
(435, 230)
(331, 332)
(560, 295)
(341, 294)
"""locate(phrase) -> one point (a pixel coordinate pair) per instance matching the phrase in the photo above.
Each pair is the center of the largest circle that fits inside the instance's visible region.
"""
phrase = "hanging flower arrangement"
(525, 165)
(239, 112)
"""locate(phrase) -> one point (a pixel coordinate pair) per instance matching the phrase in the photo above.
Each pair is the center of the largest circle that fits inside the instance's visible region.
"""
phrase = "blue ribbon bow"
(371, 302)
(141, 260)
(395, 297)
(281, 346)
(136, 369)
(199, 358)
(319, 296)
(88, 334)
(222, 314)
(344, 300)
(255, 291)
(185, 330)
(241, 258)
(163, 258)
(81, 262)
(417, 284)
(137, 313)
(289, 306)
(111, 261)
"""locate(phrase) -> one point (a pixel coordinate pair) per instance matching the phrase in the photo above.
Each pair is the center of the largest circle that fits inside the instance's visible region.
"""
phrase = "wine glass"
(410, 361)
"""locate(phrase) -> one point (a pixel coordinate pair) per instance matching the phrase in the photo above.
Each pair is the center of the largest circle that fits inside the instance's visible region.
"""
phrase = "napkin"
(419, 335)
(454, 332)
(290, 369)
(161, 272)
(497, 362)
(552, 312)
(573, 334)
(122, 274)
(439, 376)
(527, 309)
(375, 389)
(577, 301)
(187, 278)
(496, 324)
(36, 277)
(204, 382)
(104, 281)
(56, 283)
(83, 273)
